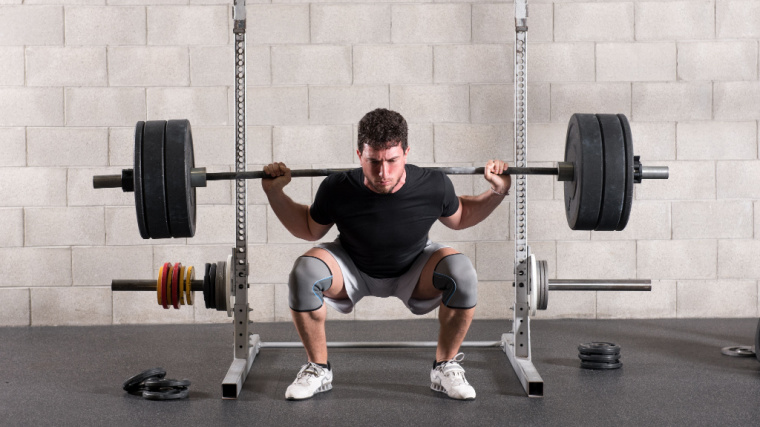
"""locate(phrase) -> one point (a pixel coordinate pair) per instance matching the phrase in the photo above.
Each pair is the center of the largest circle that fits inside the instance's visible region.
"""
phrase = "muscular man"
(383, 211)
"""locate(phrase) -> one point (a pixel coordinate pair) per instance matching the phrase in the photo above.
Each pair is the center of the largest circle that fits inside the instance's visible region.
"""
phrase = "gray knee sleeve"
(456, 277)
(309, 278)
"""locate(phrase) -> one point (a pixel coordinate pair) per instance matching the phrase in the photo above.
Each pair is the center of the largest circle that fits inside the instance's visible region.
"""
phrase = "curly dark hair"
(382, 129)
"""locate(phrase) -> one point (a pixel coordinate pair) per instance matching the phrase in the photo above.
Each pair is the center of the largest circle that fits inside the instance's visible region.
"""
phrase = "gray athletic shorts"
(359, 285)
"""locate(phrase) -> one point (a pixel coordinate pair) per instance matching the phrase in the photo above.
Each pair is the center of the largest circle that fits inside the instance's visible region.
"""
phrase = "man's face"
(383, 169)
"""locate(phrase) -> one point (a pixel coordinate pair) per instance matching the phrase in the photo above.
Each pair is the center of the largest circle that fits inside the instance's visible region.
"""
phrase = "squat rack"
(529, 281)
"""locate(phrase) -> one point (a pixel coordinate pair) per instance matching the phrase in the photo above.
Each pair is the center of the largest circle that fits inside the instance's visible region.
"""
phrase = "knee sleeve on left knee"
(456, 277)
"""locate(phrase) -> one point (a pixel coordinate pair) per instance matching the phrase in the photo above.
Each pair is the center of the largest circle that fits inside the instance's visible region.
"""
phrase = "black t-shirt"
(384, 233)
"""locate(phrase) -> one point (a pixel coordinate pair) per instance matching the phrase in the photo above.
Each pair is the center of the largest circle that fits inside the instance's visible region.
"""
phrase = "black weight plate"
(614, 192)
(180, 194)
(583, 195)
(220, 299)
(207, 286)
(158, 383)
(173, 394)
(628, 200)
(599, 348)
(600, 365)
(212, 286)
(154, 179)
(137, 181)
(606, 358)
(135, 382)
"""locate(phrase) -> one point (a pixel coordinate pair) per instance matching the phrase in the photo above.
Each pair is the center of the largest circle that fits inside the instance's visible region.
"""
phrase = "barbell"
(599, 171)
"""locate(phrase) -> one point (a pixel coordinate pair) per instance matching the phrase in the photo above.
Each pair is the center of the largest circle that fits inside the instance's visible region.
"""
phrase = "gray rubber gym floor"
(673, 374)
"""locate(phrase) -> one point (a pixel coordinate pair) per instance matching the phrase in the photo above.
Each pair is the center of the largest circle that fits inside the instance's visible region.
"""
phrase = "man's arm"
(474, 209)
(294, 216)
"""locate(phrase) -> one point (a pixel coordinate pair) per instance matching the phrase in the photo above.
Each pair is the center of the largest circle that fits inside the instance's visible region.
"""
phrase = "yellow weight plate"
(158, 283)
(189, 277)
(181, 285)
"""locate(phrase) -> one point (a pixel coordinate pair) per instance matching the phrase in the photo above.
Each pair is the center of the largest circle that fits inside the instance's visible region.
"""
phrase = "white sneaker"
(311, 379)
(449, 378)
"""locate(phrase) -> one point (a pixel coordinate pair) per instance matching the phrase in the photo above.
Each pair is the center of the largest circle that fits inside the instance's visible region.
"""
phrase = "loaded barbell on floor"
(599, 171)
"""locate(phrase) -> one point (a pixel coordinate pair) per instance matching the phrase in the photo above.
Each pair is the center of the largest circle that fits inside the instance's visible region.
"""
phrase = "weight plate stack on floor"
(599, 355)
(739, 351)
(152, 385)
(583, 195)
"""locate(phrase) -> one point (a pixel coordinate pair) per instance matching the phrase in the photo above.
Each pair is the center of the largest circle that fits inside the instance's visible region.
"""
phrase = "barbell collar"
(599, 285)
(198, 177)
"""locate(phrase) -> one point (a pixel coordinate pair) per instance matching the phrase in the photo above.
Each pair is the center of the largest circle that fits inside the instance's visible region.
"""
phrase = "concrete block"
(570, 305)
(71, 306)
(393, 64)
(717, 140)
(737, 259)
(495, 227)
(494, 23)
(215, 225)
(546, 143)
(263, 303)
(730, 174)
(330, 105)
(421, 143)
(636, 62)
(494, 261)
(431, 23)
(281, 105)
(596, 260)
(130, 308)
(188, 25)
(121, 146)
(121, 229)
(12, 65)
(105, 106)
(81, 193)
(26, 106)
(64, 226)
(688, 181)
(212, 65)
(111, 26)
(671, 101)
(278, 23)
(561, 62)
(677, 20)
(312, 144)
(322, 65)
(373, 308)
(736, 100)
(570, 98)
(31, 25)
(713, 220)
(649, 220)
(494, 103)
(472, 142)
(275, 263)
(201, 105)
(22, 267)
(14, 307)
(42, 187)
(219, 193)
(737, 19)
(654, 141)
(494, 300)
(717, 60)
(149, 66)
(195, 255)
(480, 63)
(593, 22)
(546, 221)
(717, 298)
(677, 259)
(14, 147)
(11, 227)
(432, 103)
(350, 23)
(658, 303)
(97, 266)
(67, 146)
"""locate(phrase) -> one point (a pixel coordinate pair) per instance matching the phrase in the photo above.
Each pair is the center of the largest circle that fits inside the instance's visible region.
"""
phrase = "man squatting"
(383, 211)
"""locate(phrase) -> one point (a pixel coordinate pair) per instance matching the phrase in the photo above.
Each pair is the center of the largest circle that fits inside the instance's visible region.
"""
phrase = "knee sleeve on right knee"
(309, 278)
(456, 277)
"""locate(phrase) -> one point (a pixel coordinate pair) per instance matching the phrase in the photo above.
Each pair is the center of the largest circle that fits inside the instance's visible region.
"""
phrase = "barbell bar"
(599, 171)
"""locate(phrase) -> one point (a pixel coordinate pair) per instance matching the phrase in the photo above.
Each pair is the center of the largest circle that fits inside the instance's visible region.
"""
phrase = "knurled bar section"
(240, 257)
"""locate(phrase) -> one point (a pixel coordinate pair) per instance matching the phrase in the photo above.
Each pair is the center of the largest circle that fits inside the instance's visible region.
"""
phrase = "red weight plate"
(175, 285)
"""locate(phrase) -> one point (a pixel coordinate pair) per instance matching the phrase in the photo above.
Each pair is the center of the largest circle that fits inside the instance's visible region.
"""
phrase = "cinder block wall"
(76, 76)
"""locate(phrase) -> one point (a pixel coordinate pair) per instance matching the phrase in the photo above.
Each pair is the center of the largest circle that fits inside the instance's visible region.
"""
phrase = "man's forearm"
(477, 208)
